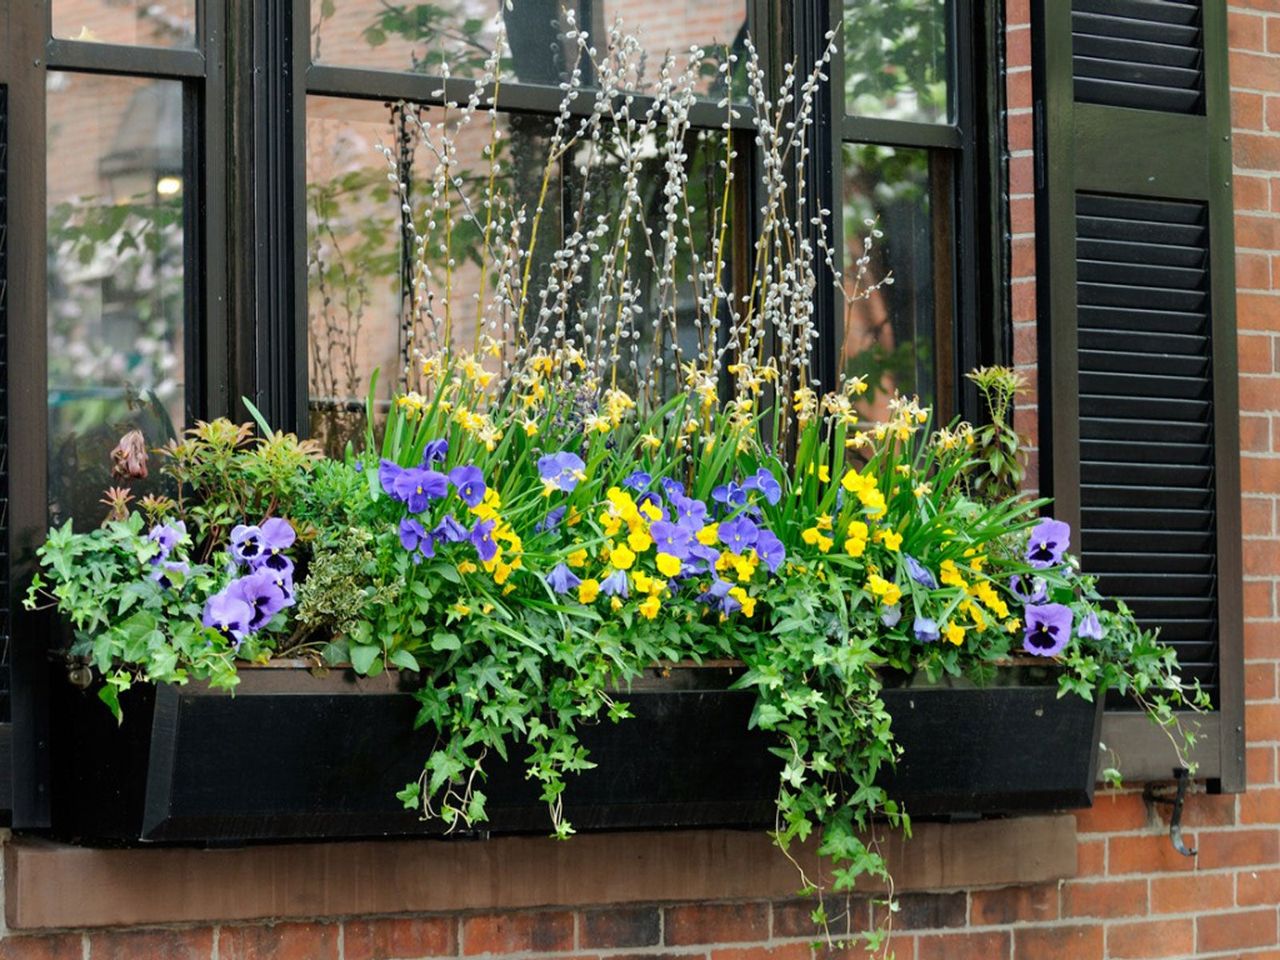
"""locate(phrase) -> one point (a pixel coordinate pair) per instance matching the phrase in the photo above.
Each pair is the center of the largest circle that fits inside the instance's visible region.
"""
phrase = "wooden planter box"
(295, 755)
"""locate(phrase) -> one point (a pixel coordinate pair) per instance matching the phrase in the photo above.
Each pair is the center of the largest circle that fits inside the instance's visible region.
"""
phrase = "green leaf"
(363, 657)
(404, 660)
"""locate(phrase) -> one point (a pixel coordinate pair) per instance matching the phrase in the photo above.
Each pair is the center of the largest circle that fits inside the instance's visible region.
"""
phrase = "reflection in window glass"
(460, 34)
(148, 23)
(889, 336)
(373, 303)
(115, 232)
(896, 59)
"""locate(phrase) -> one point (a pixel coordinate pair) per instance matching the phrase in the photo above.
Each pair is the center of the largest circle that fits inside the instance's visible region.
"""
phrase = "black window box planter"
(297, 755)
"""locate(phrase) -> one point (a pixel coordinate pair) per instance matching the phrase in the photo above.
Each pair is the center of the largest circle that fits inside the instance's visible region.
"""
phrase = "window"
(200, 197)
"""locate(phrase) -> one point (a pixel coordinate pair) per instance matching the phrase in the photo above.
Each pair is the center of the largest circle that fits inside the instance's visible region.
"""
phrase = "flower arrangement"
(539, 517)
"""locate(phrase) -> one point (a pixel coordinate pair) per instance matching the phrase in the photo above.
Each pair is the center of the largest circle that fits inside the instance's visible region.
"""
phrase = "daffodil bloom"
(854, 482)
(824, 474)
(922, 490)
(588, 590)
(650, 441)
(823, 522)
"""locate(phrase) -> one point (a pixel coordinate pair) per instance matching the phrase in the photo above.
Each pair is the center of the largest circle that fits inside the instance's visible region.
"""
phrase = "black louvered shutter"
(1135, 289)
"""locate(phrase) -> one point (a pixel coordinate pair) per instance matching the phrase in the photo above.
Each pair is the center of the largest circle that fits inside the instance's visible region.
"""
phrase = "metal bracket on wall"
(1181, 777)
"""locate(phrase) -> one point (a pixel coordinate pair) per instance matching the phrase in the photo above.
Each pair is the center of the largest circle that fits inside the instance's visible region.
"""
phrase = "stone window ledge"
(50, 885)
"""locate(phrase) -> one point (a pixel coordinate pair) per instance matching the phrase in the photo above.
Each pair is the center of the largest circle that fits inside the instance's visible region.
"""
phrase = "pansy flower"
(561, 471)
(766, 483)
(671, 538)
(434, 452)
(672, 488)
(925, 629)
(170, 572)
(770, 548)
(416, 487)
(920, 573)
(891, 616)
(637, 480)
(551, 520)
(481, 538)
(689, 512)
(739, 535)
(262, 594)
(227, 614)
(1048, 543)
(387, 473)
(413, 537)
(246, 544)
(277, 535)
(615, 585)
(449, 530)
(469, 482)
(731, 494)
(1048, 629)
(1029, 589)
(166, 536)
(1090, 627)
(561, 579)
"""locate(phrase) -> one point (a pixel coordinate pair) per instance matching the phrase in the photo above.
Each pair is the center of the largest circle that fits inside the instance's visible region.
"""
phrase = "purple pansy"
(891, 616)
(412, 533)
(920, 573)
(671, 487)
(765, 482)
(561, 579)
(615, 585)
(770, 548)
(262, 594)
(671, 538)
(701, 558)
(1090, 627)
(739, 535)
(551, 520)
(482, 539)
(731, 494)
(416, 487)
(277, 535)
(247, 545)
(166, 536)
(925, 629)
(1048, 629)
(637, 480)
(561, 470)
(228, 615)
(1037, 592)
(387, 474)
(469, 482)
(168, 572)
(449, 530)
(1048, 543)
(689, 512)
(280, 569)
(434, 452)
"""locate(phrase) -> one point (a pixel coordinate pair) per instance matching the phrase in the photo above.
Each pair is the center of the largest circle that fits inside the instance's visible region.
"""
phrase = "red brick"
(1251, 193)
(1271, 113)
(716, 923)
(1013, 905)
(1091, 857)
(1273, 35)
(1234, 931)
(60, 946)
(1017, 12)
(1261, 806)
(1246, 110)
(1022, 173)
(1021, 131)
(1018, 89)
(1260, 681)
(1238, 848)
(1257, 888)
(1112, 812)
(284, 941)
(1260, 474)
(1022, 214)
(1146, 854)
(794, 918)
(785, 951)
(384, 939)
(1255, 71)
(923, 911)
(1202, 810)
(1262, 720)
(1261, 557)
(1190, 894)
(1150, 938)
(619, 926)
(517, 933)
(1256, 151)
(965, 946)
(170, 944)
(1255, 519)
(1257, 601)
(1257, 233)
(1244, 32)
(1058, 943)
(1024, 301)
(1260, 766)
(1111, 898)
(1261, 642)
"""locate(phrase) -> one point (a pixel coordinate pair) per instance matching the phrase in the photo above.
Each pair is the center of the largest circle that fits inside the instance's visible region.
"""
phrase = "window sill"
(51, 885)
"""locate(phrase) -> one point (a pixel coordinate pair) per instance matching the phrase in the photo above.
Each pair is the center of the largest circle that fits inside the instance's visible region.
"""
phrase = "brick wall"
(1132, 895)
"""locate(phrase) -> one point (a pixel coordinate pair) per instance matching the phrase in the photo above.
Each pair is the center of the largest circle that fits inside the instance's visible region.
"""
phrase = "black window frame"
(246, 83)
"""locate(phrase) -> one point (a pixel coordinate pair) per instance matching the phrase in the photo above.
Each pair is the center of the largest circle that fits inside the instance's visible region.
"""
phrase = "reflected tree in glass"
(896, 59)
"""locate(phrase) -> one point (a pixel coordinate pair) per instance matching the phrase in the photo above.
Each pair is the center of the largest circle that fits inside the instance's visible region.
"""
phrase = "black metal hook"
(1181, 777)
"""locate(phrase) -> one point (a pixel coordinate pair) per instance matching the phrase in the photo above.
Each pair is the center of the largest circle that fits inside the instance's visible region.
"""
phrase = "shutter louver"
(1145, 54)
(1146, 426)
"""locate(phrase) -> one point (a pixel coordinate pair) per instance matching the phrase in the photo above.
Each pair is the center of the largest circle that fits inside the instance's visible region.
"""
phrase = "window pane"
(889, 335)
(896, 59)
(115, 184)
(423, 37)
(149, 23)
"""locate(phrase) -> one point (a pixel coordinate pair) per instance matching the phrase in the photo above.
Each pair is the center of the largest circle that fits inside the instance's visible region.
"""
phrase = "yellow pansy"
(747, 602)
(709, 535)
(668, 565)
(649, 607)
(578, 558)
(466, 566)
(588, 590)
(954, 633)
(639, 541)
(890, 538)
(622, 557)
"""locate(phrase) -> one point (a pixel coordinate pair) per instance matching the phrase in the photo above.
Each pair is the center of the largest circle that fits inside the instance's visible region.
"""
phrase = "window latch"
(1181, 777)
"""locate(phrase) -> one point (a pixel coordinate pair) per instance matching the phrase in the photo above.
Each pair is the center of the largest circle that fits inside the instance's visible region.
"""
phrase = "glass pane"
(115, 185)
(148, 23)
(424, 37)
(889, 332)
(896, 62)
(362, 277)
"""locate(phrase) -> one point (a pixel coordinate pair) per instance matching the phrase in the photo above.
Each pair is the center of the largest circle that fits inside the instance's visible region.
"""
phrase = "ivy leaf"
(363, 657)
(404, 660)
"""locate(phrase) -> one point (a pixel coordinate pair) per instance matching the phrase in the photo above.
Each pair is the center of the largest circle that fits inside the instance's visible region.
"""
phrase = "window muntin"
(132, 22)
(117, 276)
